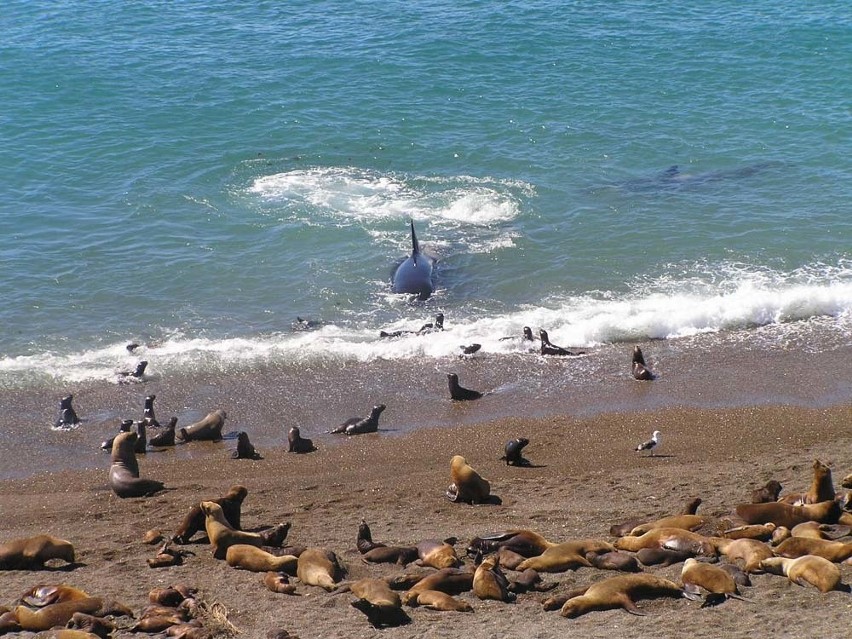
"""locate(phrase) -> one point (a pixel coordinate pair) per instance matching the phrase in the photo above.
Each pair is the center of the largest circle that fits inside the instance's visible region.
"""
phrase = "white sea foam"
(733, 298)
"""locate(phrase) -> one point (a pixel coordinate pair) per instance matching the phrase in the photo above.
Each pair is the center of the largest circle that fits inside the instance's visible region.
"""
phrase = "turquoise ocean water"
(195, 175)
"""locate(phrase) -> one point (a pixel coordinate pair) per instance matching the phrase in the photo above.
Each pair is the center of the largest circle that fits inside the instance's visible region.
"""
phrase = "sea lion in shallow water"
(124, 427)
(360, 425)
(298, 444)
(466, 484)
(811, 569)
(67, 415)
(639, 368)
(550, 349)
(124, 471)
(620, 592)
(167, 437)
(207, 429)
(31, 553)
(459, 393)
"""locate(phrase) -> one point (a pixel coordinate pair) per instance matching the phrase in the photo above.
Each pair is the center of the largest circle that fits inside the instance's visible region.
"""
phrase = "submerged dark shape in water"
(414, 275)
(673, 177)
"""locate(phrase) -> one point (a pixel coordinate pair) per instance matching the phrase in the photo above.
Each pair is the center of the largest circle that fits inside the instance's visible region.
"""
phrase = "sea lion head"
(123, 446)
(236, 493)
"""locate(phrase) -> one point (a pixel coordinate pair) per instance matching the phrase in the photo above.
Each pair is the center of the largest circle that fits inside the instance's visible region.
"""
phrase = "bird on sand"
(652, 444)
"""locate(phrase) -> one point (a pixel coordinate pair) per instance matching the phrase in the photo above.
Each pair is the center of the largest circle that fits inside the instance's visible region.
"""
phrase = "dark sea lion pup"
(124, 472)
(639, 367)
(459, 393)
(245, 449)
(167, 437)
(124, 427)
(297, 443)
(137, 374)
(548, 348)
(369, 425)
(514, 452)
(67, 415)
(148, 412)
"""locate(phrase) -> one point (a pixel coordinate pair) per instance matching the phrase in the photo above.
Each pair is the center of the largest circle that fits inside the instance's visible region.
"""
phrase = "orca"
(414, 275)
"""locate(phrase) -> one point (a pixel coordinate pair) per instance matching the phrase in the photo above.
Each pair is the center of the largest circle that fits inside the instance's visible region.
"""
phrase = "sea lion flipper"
(632, 608)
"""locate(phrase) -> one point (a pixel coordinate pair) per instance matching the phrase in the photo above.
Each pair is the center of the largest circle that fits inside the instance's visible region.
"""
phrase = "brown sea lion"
(794, 547)
(761, 532)
(767, 493)
(438, 600)
(245, 449)
(671, 538)
(508, 559)
(124, 471)
(380, 553)
(298, 444)
(207, 429)
(846, 482)
(620, 592)
(620, 530)
(524, 542)
(449, 580)
(382, 605)
(220, 533)
(719, 583)
(568, 555)
(780, 534)
(152, 537)
(811, 569)
(167, 556)
(254, 559)
(467, 485)
(407, 579)
(685, 522)
(438, 554)
(816, 530)
(46, 594)
(318, 567)
(170, 596)
(231, 505)
(614, 560)
(31, 553)
(662, 556)
(69, 633)
(782, 514)
(821, 488)
(530, 580)
(489, 582)
(96, 626)
(749, 551)
(739, 575)
(278, 582)
(55, 614)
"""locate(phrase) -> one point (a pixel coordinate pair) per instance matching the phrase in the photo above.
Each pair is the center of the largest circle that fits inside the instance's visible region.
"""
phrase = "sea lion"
(278, 582)
(550, 349)
(749, 551)
(382, 605)
(318, 567)
(466, 484)
(529, 580)
(470, 349)
(209, 428)
(508, 559)
(148, 416)
(821, 488)
(89, 625)
(254, 559)
(124, 427)
(524, 542)
(55, 614)
(671, 538)
(195, 519)
(526, 335)
(359, 425)
(298, 444)
(568, 555)
(816, 530)
(685, 522)
(780, 534)
(846, 482)
(662, 556)
(514, 452)
(794, 547)
(380, 553)
(782, 514)
(613, 560)
(449, 580)
(489, 582)
(768, 493)
(620, 592)
(740, 576)
(437, 600)
(438, 554)
(141, 446)
(46, 594)
(817, 571)
(137, 374)
(31, 553)
(620, 530)
(124, 471)
(167, 437)
(639, 368)
(221, 534)
(245, 449)
(761, 532)
(459, 393)
(414, 274)
(719, 583)
(67, 415)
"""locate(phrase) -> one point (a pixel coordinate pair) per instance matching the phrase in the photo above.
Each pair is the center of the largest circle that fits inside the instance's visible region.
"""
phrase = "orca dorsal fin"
(415, 246)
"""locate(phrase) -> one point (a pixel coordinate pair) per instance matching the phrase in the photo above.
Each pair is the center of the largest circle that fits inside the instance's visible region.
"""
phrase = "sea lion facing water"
(620, 592)
(245, 449)
(124, 471)
(31, 553)
(467, 485)
(124, 427)
(209, 428)
(639, 368)
(67, 414)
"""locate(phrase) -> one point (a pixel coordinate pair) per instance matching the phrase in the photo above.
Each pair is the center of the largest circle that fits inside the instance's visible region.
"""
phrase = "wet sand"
(722, 436)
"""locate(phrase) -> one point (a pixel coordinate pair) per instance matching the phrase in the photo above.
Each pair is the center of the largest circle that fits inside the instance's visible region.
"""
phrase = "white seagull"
(651, 444)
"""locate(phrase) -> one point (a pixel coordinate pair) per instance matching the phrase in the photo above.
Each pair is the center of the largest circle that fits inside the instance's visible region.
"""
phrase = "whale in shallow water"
(414, 275)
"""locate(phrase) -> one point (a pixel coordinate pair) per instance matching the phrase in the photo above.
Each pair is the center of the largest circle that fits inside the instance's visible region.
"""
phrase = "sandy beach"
(585, 477)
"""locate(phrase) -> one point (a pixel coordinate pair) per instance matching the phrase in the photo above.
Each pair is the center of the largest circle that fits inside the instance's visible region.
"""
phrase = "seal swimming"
(414, 275)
